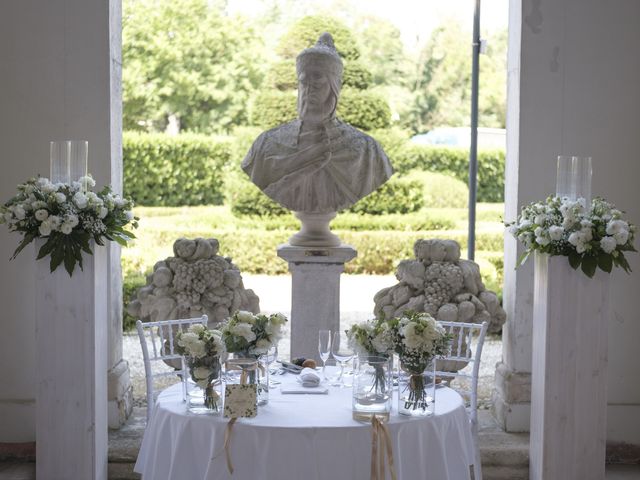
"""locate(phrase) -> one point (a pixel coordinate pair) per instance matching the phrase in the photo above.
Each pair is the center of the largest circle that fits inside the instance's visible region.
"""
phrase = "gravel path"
(356, 305)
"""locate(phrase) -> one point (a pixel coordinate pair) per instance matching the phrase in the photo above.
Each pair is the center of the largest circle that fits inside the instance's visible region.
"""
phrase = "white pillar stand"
(71, 366)
(315, 292)
(569, 385)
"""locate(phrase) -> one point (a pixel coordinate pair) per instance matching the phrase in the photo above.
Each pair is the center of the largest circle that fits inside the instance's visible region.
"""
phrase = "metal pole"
(473, 150)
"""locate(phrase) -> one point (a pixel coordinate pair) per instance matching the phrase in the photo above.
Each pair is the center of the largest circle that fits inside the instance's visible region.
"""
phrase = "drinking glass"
(267, 359)
(324, 348)
(342, 353)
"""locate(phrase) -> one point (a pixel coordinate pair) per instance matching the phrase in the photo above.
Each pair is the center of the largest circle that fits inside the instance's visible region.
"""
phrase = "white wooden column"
(315, 293)
(569, 372)
(71, 366)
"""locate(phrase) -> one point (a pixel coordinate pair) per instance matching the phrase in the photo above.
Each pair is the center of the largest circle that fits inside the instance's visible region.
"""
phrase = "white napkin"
(310, 381)
(309, 377)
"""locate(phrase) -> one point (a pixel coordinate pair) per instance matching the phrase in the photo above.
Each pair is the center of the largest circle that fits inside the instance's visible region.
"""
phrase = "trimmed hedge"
(441, 190)
(282, 75)
(271, 108)
(455, 162)
(163, 170)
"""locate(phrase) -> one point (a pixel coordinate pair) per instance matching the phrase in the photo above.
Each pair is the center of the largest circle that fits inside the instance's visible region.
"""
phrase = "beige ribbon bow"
(380, 446)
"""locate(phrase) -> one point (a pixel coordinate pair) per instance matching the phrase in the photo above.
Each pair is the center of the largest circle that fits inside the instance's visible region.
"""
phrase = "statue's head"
(319, 70)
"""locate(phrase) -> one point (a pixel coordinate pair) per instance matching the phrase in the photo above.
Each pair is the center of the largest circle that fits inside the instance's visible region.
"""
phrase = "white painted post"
(315, 293)
(569, 384)
(71, 366)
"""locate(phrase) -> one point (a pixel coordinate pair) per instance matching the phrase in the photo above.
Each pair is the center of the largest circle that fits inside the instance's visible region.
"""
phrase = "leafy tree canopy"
(184, 59)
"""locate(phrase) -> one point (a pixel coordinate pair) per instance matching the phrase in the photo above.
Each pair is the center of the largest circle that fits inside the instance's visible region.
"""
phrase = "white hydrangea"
(246, 317)
(72, 220)
(60, 197)
(617, 226)
(41, 215)
(80, 199)
(608, 244)
(244, 330)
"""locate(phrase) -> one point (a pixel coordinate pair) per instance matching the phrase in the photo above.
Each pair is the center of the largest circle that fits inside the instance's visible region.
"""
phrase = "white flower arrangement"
(68, 216)
(373, 337)
(252, 334)
(418, 339)
(202, 349)
(591, 238)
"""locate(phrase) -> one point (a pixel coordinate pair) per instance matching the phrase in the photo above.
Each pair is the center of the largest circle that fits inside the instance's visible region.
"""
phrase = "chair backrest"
(157, 340)
(463, 360)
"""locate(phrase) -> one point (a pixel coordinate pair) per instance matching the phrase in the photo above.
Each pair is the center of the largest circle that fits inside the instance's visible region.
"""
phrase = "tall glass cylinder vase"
(372, 388)
(68, 161)
(259, 376)
(205, 395)
(417, 389)
(574, 178)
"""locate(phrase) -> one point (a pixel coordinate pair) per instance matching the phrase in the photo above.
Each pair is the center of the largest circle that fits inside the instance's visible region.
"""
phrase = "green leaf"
(57, 256)
(574, 260)
(523, 258)
(589, 265)
(623, 263)
(69, 261)
(28, 238)
(47, 248)
(605, 262)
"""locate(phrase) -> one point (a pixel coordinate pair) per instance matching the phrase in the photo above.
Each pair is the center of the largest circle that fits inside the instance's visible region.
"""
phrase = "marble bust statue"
(316, 164)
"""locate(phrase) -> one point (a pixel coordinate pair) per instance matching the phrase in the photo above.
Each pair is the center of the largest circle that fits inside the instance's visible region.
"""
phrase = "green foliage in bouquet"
(252, 335)
(68, 216)
(591, 238)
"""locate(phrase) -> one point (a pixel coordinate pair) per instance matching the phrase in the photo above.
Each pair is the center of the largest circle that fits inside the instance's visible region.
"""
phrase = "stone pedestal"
(315, 293)
(71, 366)
(569, 385)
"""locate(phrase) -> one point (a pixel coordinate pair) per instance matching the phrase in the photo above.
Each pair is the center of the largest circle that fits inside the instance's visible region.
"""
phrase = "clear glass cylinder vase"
(68, 161)
(417, 389)
(574, 178)
(204, 396)
(372, 387)
(259, 376)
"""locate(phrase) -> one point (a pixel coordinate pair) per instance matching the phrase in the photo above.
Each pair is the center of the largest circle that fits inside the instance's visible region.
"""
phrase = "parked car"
(461, 137)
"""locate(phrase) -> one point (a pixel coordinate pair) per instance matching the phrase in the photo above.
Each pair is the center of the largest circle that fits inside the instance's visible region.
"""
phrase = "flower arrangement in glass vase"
(418, 340)
(249, 335)
(591, 237)
(68, 216)
(202, 349)
(373, 338)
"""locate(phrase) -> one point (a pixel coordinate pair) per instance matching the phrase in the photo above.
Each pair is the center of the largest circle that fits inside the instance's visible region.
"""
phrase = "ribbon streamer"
(227, 440)
(380, 446)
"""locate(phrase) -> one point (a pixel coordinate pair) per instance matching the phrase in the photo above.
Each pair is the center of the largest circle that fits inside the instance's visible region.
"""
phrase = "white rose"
(118, 201)
(543, 241)
(244, 330)
(88, 180)
(72, 220)
(525, 223)
(103, 212)
(538, 231)
(608, 244)
(246, 317)
(621, 237)
(42, 181)
(197, 328)
(197, 349)
(66, 228)
(19, 212)
(587, 234)
(262, 346)
(55, 221)
(411, 339)
(575, 238)
(278, 319)
(41, 215)
(80, 199)
(615, 226)
(60, 197)
(129, 215)
(187, 338)
(201, 373)
(45, 228)
(581, 247)
(556, 233)
(48, 188)
(539, 220)
(568, 222)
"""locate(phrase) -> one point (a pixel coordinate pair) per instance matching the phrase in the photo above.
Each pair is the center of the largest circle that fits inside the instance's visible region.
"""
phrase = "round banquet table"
(296, 437)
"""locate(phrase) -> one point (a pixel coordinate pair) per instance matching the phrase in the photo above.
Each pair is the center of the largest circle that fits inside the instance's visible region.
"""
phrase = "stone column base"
(120, 394)
(512, 399)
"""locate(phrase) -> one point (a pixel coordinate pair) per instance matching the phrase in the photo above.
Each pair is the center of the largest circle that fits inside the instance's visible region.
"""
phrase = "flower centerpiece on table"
(249, 335)
(418, 340)
(591, 237)
(202, 349)
(373, 338)
(68, 216)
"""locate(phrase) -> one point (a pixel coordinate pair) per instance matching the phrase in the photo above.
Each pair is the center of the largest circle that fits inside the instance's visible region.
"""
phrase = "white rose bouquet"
(252, 335)
(591, 237)
(418, 339)
(68, 216)
(375, 338)
(202, 349)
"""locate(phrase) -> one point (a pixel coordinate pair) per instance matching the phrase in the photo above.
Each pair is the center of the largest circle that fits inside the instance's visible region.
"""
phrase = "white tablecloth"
(302, 437)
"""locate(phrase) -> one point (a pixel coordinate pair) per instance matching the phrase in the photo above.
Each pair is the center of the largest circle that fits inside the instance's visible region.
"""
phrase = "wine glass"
(324, 348)
(342, 352)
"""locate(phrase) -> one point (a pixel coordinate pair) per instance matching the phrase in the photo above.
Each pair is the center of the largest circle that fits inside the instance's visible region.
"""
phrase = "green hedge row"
(165, 171)
(162, 170)
(455, 162)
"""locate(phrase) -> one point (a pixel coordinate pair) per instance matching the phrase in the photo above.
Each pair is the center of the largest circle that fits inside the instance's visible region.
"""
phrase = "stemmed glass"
(342, 352)
(324, 348)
